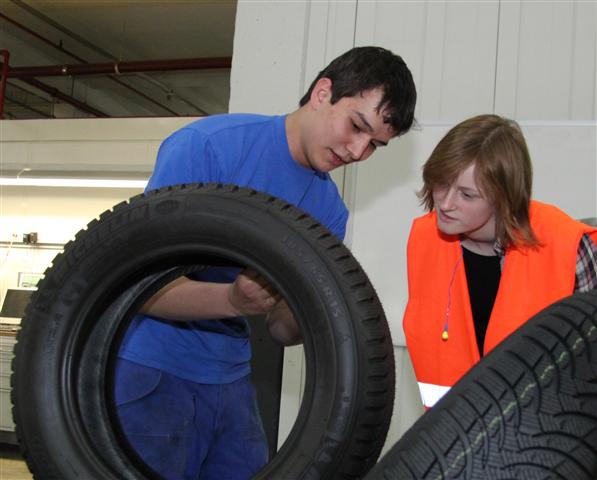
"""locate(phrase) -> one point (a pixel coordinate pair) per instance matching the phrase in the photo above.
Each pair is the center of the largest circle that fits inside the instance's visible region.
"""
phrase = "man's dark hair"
(365, 68)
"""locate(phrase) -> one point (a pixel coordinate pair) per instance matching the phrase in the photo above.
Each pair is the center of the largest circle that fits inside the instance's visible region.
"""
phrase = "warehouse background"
(534, 61)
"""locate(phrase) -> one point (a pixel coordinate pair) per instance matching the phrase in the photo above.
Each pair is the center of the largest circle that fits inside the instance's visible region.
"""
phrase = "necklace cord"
(449, 305)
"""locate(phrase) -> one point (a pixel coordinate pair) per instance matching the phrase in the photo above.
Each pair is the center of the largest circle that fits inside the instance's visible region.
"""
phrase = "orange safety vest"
(531, 279)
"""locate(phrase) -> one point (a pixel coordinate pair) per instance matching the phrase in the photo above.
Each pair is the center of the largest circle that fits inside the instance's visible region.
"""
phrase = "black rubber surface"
(63, 359)
(526, 411)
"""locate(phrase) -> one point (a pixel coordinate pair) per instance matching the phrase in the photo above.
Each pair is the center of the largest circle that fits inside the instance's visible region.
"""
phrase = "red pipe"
(76, 57)
(122, 67)
(4, 76)
(62, 96)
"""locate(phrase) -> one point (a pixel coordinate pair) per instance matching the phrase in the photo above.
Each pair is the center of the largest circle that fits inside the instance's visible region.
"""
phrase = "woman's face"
(463, 210)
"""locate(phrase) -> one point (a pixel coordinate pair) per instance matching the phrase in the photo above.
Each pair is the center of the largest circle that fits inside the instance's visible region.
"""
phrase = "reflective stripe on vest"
(431, 394)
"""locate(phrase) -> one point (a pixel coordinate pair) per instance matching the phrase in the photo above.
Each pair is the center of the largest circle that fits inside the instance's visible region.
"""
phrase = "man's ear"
(321, 93)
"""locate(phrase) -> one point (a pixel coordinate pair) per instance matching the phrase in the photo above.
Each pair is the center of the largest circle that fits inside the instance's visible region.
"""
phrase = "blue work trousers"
(190, 431)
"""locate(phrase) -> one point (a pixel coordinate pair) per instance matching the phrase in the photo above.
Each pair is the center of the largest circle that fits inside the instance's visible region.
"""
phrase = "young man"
(183, 390)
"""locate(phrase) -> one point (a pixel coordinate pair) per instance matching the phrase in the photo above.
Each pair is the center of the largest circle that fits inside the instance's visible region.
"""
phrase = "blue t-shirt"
(248, 151)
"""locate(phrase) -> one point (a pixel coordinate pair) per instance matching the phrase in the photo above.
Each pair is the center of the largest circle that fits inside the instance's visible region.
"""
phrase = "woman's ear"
(321, 93)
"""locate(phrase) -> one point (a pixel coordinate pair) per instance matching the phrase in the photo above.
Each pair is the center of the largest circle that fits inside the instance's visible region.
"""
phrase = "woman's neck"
(482, 247)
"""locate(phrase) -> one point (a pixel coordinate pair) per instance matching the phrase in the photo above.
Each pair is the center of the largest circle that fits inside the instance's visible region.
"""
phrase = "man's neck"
(293, 124)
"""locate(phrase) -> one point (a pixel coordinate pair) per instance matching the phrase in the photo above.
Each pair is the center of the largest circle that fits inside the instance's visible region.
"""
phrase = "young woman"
(486, 257)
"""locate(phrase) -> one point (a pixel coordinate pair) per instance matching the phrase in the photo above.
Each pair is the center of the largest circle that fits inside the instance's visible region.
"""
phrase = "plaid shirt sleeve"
(586, 265)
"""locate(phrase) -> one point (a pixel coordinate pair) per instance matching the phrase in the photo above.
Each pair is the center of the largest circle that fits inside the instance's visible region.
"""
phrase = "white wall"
(114, 145)
(83, 148)
(532, 61)
(280, 46)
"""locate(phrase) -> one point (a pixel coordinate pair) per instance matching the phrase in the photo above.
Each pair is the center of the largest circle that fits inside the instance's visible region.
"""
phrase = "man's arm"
(188, 300)
(282, 326)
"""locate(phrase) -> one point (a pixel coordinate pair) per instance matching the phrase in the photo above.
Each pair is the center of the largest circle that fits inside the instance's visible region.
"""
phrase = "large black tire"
(63, 365)
(526, 411)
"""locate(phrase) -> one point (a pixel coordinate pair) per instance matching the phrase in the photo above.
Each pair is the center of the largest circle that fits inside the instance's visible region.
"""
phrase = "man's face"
(348, 131)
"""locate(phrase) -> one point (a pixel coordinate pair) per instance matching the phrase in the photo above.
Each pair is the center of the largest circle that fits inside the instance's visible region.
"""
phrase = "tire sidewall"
(144, 238)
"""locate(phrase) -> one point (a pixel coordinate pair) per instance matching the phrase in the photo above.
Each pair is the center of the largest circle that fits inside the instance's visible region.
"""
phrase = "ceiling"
(101, 33)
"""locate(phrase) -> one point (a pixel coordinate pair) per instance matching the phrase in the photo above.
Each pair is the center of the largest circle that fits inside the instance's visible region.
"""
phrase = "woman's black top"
(483, 278)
